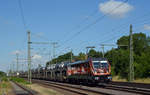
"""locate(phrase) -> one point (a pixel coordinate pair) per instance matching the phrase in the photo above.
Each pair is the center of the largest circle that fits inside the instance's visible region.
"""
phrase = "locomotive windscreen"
(100, 64)
(96, 64)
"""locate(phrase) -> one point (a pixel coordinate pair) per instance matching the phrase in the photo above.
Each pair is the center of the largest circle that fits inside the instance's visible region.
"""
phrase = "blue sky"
(61, 20)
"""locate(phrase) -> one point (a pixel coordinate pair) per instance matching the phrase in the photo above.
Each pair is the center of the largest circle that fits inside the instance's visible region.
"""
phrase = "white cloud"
(16, 52)
(37, 57)
(147, 27)
(117, 9)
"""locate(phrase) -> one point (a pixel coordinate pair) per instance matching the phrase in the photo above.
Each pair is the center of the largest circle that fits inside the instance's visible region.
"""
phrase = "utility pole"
(49, 56)
(71, 56)
(29, 58)
(17, 54)
(13, 69)
(22, 67)
(103, 50)
(54, 47)
(87, 50)
(131, 68)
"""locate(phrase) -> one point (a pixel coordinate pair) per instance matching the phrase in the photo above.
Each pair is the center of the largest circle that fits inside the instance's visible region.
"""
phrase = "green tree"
(123, 41)
(119, 62)
(142, 66)
(141, 56)
(95, 54)
(2, 74)
(81, 56)
(61, 58)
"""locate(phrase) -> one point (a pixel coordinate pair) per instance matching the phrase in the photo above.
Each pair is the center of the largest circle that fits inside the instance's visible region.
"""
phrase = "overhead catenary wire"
(124, 31)
(78, 26)
(40, 36)
(91, 24)
(24, 22)
(22, 14)
(82, 22)
(78, 48)
(135, 29)
(135, 21)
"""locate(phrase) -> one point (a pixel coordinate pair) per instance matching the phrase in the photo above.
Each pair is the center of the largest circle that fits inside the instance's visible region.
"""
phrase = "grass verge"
(19, 80)
(5, 86)
(141, 80)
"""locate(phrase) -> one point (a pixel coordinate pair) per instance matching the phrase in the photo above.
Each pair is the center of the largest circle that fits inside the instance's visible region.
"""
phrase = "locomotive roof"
(78, 62)
(84, 61)
(98, 59)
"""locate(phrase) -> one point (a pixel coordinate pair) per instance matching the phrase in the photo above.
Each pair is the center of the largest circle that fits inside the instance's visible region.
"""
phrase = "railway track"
(141, 88)
(131, 84)
(21, 90)
(87, 90)
(71, 90)
(143, 91)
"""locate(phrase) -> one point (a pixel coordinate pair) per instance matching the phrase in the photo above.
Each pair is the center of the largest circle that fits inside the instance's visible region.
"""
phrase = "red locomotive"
(89, 71)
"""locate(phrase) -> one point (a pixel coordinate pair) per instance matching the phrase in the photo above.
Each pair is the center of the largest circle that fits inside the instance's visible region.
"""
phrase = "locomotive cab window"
(104, 65)
(96, 64)
(100, 64)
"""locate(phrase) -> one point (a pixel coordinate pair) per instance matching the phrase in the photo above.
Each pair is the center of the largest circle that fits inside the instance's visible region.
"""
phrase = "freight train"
(92, 70)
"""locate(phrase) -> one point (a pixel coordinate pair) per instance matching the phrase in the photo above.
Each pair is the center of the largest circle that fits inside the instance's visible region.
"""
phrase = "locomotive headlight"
(109, 77)
(62, 65)
(96, 78)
